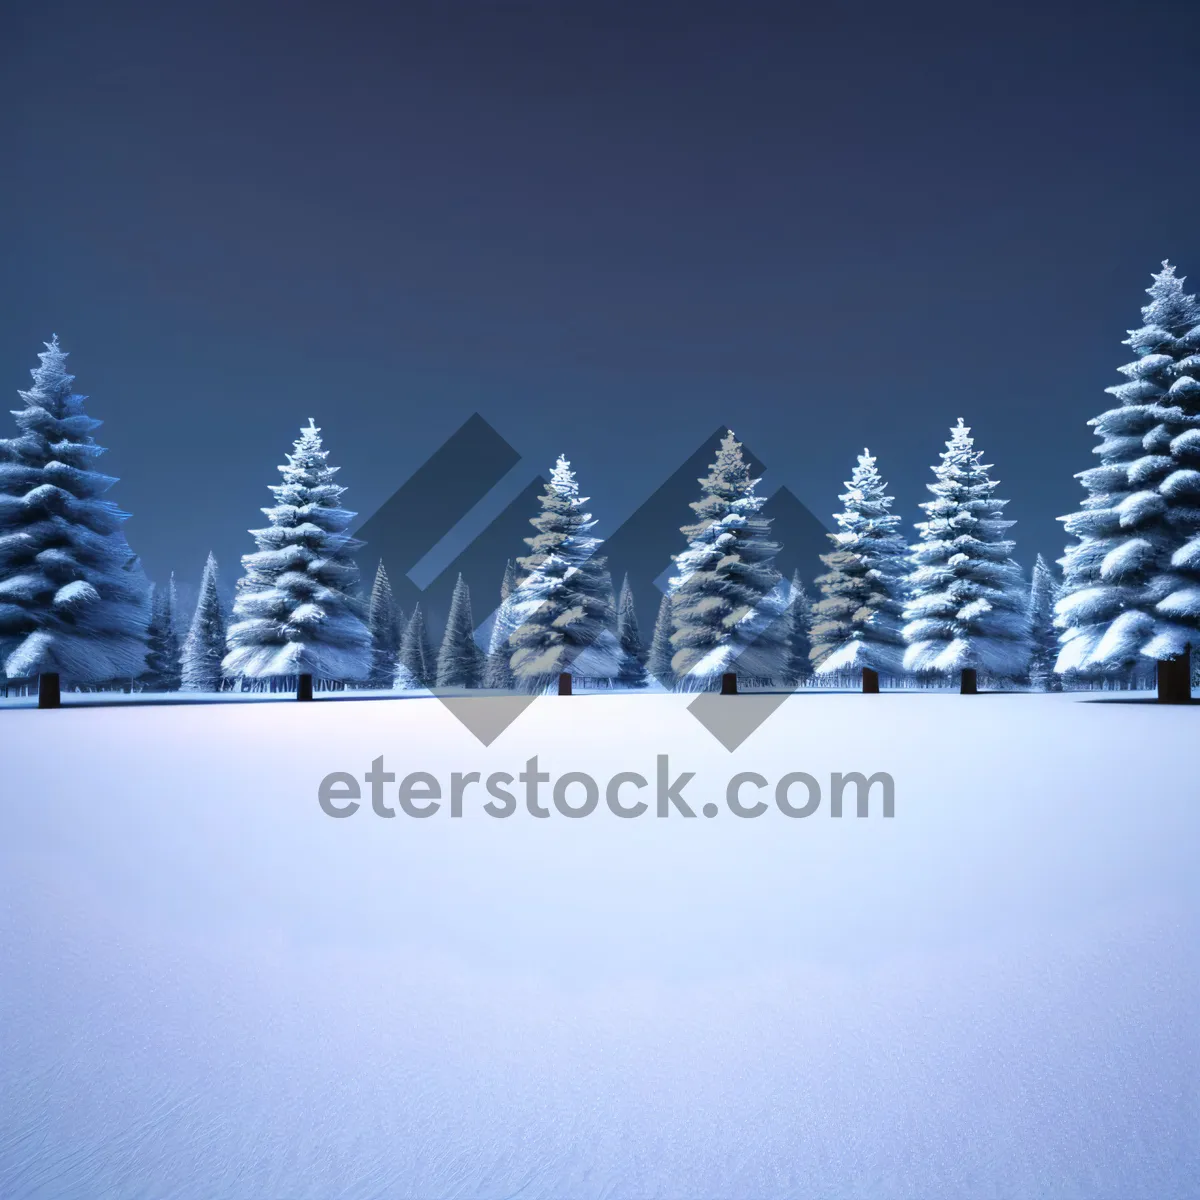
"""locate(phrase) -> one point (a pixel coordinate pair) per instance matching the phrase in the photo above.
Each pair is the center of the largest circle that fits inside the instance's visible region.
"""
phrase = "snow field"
(212, 988)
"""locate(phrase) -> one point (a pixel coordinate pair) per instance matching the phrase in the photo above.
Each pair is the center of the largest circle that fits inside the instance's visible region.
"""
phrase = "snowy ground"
(211, 988)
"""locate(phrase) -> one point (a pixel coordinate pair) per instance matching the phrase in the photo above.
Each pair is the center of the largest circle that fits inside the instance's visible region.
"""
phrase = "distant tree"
(1043, 593)
(800, 665)
(204, 646)
(509, 582)
(296, 611)
(74, 600)
(459, 662)
(658, 661)
(968, 603)
(416, 666)
(629, 637)
(562, 607)
(727, 597)
(496, 672)
(163, 671)
(383, 623)
(1131, 589)
(857, 623)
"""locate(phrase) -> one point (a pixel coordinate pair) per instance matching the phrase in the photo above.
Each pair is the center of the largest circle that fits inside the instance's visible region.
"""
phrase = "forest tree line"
(75, 601)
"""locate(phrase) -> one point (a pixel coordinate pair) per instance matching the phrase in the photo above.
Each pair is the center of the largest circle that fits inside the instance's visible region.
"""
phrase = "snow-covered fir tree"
(629, 636)
(658, 661)
(728, 601)
(967, 599)
(509, 582)
(800, 630)
(204, 646)
(857, 622)
(496, 672)
(163, 670)
(459, 660)
(1043, 638)
(416, 668)
(1131, 586)
(296, 611)
(74, 600)
(562, 608)
(383, 623)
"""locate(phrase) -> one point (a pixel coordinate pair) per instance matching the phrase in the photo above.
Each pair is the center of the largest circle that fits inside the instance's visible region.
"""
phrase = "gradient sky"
(607, 227)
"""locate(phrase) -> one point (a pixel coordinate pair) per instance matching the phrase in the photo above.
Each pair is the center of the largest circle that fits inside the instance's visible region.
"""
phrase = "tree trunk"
(304, 687)
(1175, 679)
(870, 681)
(729, 684)
(970, 682)
(49, 690)
(564, 684)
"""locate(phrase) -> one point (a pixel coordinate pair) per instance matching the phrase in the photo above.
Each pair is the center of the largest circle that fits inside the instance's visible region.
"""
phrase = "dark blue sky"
(606, 227)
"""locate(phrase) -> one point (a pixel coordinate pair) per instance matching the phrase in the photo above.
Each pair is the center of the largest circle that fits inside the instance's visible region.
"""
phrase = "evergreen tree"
(658, 661)
(728, 599)
(629, 637)
(73, 597)
(562, 607)
(1131, 590)
(295, 610)
(509, 582)
(162, 673)
(857, 623)
(415, 668)
(967, 598)
(459, 661)
(496, 672)
(383, 623)
(204, 646)
(1043, 592)
(800, 664)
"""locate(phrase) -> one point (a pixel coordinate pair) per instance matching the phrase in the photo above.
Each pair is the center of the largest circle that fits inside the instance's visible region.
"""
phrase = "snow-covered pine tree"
(728, 601)
(967, 599)
(383, 623)
(415, 668)
(496, 671)
(162, 673)
(295, 612)
(204, 646)
(74, 600)
(562, 608)
(1131, 588)
(459, 660)
(1043, 592)
(658, 661)
(800, 643)
(509, 582)
(856, 626)
(629, 636)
